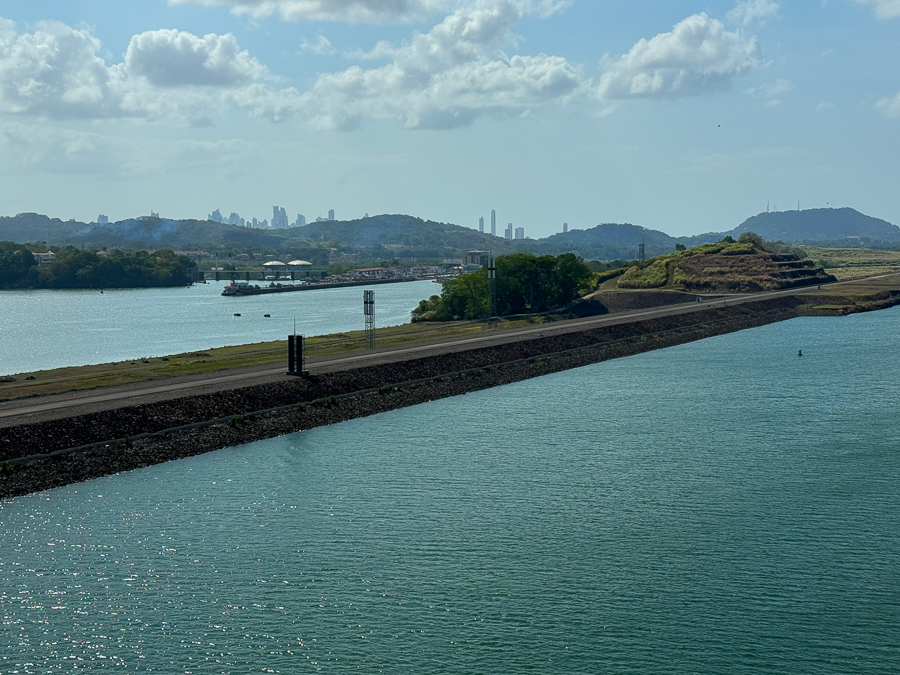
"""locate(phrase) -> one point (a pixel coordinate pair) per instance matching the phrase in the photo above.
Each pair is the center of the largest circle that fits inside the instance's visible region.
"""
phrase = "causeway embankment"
(53, 453)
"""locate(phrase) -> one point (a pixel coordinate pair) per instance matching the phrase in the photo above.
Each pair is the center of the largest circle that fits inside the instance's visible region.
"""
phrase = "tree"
(680, 247)
(750, 238)
(16, 261)
(525, 283)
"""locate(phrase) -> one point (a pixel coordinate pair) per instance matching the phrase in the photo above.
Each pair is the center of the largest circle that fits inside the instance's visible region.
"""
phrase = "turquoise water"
(719, 507)
(49, 329)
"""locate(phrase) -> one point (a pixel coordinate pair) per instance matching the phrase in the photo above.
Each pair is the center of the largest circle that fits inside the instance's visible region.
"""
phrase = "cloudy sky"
(680, 115)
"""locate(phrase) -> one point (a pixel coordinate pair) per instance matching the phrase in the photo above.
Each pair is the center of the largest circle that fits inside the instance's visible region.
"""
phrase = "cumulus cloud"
(446, 77)
(354, 11)
(890, 106)
(884, 9)
(363, 11)
(699, 56)
(171, 58)
(753, 11)
(55, 72)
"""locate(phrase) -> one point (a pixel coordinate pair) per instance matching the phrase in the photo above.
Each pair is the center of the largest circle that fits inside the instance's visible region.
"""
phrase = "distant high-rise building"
(493, 222)
(279, 218)
(153, 214)
(216, 217)
(565, 227)
(235, 219)
(481, 224)
(509, 232)
(301, 221)
(102, 220)
(330, 214)
(520, 233)
(255, 222)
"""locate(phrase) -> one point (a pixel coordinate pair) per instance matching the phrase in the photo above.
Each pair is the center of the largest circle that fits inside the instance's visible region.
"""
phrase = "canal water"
(724, 506)
(43, 329)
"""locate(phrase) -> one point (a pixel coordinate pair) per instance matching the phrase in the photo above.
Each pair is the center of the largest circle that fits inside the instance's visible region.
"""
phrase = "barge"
(241, 288)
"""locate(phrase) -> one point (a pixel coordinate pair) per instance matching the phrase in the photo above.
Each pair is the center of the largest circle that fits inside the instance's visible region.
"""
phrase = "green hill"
(725, 267)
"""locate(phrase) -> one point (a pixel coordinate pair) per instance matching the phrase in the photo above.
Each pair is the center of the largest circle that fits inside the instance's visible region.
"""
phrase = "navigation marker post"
(369, 310)
(296, 357)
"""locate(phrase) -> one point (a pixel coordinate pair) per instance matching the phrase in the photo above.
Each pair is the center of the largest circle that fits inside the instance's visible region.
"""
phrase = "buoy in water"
(800, 353)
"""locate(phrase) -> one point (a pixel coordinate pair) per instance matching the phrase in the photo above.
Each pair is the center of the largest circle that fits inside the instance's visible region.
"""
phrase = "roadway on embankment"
(62, 405)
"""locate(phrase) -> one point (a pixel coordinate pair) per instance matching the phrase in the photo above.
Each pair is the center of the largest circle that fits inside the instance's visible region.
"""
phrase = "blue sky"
(681, 116)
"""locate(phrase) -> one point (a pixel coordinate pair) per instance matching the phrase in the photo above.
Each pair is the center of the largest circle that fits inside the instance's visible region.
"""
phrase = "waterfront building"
(44, 258)
(477, 258)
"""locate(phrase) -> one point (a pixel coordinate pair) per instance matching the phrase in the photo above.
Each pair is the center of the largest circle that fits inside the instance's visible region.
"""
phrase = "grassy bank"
(61, 380)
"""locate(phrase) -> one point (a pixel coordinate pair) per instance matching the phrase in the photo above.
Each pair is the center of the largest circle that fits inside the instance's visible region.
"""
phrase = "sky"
(685, 116)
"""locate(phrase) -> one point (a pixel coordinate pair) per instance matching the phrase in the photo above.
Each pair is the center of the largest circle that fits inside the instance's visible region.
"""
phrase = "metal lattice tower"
(369, 309)
(492, 285)
(642, 252)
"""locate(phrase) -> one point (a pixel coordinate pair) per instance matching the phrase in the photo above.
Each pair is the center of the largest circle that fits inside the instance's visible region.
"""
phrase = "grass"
(60, 380)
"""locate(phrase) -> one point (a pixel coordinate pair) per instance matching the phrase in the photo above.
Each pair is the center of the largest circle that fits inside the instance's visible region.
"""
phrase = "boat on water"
(240, 288)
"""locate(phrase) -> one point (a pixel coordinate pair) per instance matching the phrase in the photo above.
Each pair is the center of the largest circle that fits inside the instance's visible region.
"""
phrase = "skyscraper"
(279, 218)
(493, 223)
(481, 224)
(509, 231)
(301, 221)
(520, 233)
(330, 214)
(565, 227)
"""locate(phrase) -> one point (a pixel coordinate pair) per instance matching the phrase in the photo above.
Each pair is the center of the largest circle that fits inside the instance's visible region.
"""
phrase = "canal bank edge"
(93, 445)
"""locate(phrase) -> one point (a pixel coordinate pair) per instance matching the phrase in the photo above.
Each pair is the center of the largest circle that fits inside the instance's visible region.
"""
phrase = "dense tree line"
(74, 268)
(525, 283)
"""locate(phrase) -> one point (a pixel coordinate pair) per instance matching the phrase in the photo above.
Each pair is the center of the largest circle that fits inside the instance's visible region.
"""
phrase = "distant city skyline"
(675, 115)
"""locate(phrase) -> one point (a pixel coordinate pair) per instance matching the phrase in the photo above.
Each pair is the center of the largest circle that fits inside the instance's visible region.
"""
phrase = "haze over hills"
(402, 236)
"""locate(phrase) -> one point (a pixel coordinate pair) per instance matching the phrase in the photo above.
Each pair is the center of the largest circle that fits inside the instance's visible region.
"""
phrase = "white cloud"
(354, 11)
(699, 56)
(55, 72)
(753, 11)
(890, 106)
(171, 58)
(824, 105)
(446, 77)
(365, 11)
(884, 9)
(321, 47)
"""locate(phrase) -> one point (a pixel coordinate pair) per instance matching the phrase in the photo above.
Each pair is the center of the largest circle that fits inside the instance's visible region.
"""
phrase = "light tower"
(369, 310)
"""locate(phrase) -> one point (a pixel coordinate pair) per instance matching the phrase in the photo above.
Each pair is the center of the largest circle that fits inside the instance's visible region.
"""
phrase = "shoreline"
(88, 446)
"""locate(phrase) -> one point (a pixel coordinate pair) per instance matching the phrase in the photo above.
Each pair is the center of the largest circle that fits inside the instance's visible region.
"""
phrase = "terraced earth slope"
(725, 267)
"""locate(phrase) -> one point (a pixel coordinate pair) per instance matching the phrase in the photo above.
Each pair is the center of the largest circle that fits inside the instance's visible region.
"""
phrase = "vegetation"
(74, 268)
(745, 265)
(525, 283)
